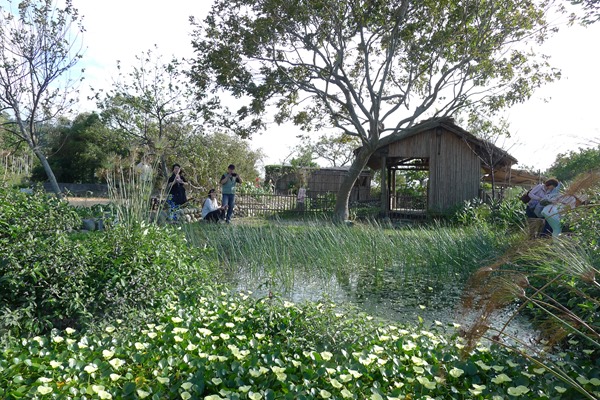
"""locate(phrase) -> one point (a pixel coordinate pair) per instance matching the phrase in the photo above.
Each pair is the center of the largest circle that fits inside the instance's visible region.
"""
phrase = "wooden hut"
(454, 158)
(318, 181)
(325, 180)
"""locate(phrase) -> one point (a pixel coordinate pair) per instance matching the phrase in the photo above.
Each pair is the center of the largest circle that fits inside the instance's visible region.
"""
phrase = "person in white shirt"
(542, 193)
(211, 210)
(552, 212)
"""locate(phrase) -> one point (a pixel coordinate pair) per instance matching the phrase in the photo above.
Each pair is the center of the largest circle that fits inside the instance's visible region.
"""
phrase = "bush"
(53, 279)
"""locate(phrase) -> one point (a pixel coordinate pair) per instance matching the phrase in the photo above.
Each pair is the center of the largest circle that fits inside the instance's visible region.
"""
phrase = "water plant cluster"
(225, 346)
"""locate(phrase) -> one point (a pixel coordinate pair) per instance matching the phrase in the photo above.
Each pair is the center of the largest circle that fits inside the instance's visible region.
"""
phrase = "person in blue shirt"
(228, 182)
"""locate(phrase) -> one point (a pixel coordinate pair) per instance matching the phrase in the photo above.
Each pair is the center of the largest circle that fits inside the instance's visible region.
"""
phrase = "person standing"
(211, 210)
(228, 182)
(176, 184)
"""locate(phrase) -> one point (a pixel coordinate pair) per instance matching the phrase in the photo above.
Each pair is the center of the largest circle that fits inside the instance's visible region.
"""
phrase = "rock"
(89, 224)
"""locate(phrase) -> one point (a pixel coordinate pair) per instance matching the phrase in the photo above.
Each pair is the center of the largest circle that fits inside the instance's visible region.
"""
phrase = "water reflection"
(394, 293)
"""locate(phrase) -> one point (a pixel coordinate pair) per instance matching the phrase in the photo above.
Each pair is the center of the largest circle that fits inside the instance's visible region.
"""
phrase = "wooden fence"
(259, 204)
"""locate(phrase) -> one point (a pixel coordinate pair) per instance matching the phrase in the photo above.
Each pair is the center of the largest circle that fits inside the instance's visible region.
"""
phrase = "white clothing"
(209, 206)
(552, 212)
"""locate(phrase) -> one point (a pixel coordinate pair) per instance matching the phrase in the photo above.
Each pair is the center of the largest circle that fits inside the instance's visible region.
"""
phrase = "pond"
(391, 293)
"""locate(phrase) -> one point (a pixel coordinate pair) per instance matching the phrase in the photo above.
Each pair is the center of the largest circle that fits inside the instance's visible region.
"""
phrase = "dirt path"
(87, 201)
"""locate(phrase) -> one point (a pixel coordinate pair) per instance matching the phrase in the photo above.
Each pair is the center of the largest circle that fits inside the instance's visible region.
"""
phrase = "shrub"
(52, 278)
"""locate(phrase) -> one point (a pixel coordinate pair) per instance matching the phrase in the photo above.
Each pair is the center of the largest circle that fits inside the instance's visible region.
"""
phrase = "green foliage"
(52, 278)
(238, 347)
(81, 151)
(568, 165)
(508, 213)
(205, 159)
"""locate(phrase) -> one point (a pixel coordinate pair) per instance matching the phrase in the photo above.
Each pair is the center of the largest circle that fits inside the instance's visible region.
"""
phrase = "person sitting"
(553, 211)
(211, 210)
(542, 193)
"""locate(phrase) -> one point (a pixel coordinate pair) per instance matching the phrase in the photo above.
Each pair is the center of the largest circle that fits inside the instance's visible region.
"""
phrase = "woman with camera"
(228, 182)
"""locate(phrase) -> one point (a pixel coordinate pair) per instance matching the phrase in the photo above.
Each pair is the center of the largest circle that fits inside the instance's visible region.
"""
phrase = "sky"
(560, 117)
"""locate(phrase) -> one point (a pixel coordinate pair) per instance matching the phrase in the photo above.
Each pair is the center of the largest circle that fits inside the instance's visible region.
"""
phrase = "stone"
(89, 224)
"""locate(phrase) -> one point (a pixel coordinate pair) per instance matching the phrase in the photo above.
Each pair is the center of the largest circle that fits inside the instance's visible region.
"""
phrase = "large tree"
(373, 69)
(38, 48)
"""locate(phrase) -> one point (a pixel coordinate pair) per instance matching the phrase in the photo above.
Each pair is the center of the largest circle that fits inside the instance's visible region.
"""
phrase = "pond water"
(390, 293)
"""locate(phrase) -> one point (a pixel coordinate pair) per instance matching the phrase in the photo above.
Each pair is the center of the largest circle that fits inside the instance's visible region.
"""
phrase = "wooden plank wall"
(454, 169)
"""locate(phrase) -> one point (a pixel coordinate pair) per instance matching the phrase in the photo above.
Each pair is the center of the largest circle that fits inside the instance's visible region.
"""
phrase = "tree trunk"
(341, 212)
(49, 172)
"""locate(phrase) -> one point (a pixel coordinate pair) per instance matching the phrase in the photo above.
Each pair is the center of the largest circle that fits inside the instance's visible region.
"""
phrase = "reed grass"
(130, 193)
(323, 249)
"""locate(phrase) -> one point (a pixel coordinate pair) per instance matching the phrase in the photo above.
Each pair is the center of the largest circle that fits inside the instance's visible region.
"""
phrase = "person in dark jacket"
(176, 185)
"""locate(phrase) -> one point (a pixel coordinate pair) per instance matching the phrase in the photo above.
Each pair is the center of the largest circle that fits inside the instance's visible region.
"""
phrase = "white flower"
(326, 355)
(336, 384)
(162, 380)
(114, 377)
(55, 364)
(142, 393)
(501, 379)
(70, 331)
(180, 330)
(205, 332)
(186, 395)
(186, 385)
(229, 324)
(110, 329)
(107, 354)
(456, 372)
(254, 396)
(58, 339)
(103, 394)
(324, 394)
(176, 320)
(116, 363)
(44, 389)
(90, 368)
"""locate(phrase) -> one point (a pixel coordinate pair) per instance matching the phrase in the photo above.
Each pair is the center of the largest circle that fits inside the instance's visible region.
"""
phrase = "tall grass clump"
(324, 249)
(130, 193)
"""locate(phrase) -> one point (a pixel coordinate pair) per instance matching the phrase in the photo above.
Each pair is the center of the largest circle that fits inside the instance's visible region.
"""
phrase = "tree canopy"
(38, 47)
(370, 69)
(568, 165)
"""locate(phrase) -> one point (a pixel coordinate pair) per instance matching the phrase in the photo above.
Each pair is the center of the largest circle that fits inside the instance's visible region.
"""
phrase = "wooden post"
(385, 196)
